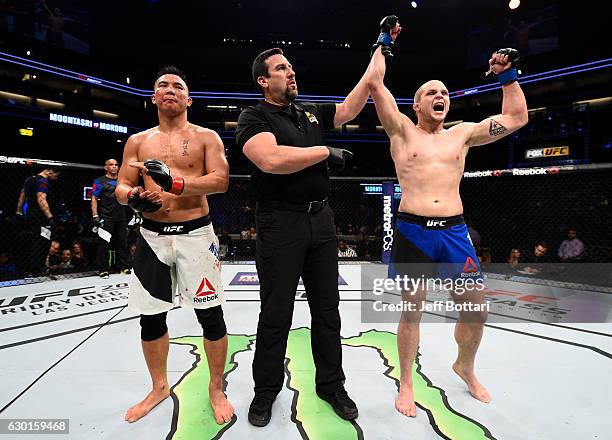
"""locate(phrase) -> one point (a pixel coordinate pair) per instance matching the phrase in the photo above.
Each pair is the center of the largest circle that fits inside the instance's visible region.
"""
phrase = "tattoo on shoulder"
(495, 128)
(185, 145)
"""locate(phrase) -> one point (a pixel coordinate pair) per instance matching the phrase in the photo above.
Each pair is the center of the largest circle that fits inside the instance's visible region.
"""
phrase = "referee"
(296, 235)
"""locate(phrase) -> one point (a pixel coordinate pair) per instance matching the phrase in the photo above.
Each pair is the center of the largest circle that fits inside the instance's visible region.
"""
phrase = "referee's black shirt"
(296, 125)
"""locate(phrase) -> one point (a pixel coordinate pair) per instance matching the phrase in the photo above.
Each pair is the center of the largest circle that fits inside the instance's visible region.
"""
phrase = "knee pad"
(153, 327)
(212, 322)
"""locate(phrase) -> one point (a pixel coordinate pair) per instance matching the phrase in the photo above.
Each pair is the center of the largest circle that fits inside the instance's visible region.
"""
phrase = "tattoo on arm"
(495, 128)
(185, 144)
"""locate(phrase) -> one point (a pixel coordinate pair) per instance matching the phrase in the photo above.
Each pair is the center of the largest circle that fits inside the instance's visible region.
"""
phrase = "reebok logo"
(470, 265)
(528, 171)
(173, 228)
(206, 292)
(433, 223)
(205, 288)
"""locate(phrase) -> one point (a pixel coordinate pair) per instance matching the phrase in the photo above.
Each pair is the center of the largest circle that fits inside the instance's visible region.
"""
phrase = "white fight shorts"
(176, 264)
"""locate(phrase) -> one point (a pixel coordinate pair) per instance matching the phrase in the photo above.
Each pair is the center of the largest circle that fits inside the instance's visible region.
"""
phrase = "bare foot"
(142, 408)
(476, 389)
(404, 402)
(221, 407)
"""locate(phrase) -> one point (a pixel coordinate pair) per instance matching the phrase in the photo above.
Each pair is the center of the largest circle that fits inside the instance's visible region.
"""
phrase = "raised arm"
(386, 107)
(270, 157)
(353, 103)
(356, 100)
(514, 109)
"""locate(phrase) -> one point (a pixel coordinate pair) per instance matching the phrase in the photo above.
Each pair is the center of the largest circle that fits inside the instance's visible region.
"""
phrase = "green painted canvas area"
(195, 416)
(315, 415)
(315, 418)
(449, 422)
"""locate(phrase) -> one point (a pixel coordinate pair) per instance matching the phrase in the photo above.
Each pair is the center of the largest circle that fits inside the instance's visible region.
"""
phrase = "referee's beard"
(290, 95)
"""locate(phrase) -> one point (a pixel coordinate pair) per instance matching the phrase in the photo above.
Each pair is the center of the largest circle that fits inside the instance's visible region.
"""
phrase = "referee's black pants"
(118, 230)
(290, 244)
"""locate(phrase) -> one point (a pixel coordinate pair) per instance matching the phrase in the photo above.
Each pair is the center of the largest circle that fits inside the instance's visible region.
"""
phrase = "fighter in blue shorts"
(431, 238)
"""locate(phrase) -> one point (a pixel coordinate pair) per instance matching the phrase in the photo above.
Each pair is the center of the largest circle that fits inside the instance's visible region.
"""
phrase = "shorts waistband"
(432, 222)
(176, 228)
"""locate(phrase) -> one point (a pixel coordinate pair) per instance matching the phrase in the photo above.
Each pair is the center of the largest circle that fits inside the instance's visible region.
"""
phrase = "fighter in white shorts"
(176, 260)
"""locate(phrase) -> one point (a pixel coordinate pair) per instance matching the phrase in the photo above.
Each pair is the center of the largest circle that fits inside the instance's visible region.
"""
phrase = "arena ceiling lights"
(54, 70)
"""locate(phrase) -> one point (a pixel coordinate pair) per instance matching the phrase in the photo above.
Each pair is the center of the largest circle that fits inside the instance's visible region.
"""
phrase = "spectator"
(225, 238)
(78, 257)
(245, 234)
(65, 265)
(7, 267)
(53, 255)
(362, 245)
(514, 260)
(226, 248)
(344, 251)
(484, 258)
(538, 261)
(572, 248)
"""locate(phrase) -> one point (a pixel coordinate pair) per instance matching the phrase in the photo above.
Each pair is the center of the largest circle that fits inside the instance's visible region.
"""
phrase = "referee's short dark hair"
(259, 64)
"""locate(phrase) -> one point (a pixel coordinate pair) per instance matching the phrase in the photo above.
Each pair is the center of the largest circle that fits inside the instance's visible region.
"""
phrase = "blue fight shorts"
(433, 247)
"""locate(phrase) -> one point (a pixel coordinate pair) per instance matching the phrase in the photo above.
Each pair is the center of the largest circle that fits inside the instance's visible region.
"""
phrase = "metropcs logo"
(206, 292)
(547, 152)
(387, 223)
(440, 223)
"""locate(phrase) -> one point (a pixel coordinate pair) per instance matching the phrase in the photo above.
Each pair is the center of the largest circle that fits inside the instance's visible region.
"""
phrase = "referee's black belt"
(310, 207)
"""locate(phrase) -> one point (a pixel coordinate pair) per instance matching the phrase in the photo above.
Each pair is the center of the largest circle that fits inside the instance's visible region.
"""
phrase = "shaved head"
(433, 83)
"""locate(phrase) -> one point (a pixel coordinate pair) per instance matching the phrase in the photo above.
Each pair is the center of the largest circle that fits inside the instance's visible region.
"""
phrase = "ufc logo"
(173, 228)
(436, 223)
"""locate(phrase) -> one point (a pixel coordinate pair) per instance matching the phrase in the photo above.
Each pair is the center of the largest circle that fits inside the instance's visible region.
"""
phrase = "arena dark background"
(133, 39)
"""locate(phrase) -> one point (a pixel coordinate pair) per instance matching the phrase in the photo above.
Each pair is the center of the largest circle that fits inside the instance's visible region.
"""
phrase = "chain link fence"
(509, 213)
(71, 247)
